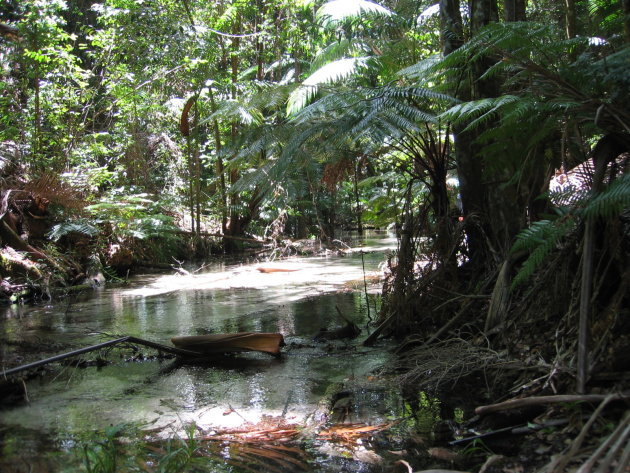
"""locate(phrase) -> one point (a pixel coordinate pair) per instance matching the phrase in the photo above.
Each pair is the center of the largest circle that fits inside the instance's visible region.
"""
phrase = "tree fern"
(543, 237)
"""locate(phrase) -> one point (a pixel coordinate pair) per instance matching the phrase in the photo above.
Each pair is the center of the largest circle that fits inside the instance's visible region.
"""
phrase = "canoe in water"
(231, 343)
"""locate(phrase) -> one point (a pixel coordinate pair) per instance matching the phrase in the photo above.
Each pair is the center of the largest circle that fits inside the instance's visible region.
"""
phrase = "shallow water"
(224, 393)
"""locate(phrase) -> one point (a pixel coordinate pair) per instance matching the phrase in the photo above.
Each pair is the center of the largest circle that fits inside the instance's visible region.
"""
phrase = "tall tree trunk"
(357, 198)
(37, 138)
(625, 7)
(468, 168)
(514, 10)
(234, 220)
(570, 18)
(220, 168)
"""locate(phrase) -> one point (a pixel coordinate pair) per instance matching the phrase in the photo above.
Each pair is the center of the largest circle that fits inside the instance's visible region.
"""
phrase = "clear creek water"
(165, 394)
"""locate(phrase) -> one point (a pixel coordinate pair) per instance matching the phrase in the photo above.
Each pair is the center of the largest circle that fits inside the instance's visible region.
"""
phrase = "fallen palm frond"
(257, 450)
(434, 365)
(254, 449)
(350, 433)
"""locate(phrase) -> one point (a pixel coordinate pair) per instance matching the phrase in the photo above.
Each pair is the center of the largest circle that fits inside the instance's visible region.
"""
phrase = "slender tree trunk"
(357, 199)
(37, 138)
(468, 168)
(197, 167)
(234, 220)
(625, 7)
(452, 36)
(570, 18)
(220, 167)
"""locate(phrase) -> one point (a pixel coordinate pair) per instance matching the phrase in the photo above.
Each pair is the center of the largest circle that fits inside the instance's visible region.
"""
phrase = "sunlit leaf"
(338, 10)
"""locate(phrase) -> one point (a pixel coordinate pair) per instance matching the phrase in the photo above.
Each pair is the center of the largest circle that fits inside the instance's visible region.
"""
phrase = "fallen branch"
(538, 400)
(139, 341)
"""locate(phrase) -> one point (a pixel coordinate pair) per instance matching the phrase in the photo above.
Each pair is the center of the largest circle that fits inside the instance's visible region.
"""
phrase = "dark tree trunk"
(571, 16)
(625, 6)
(514, 10)
(451, 26)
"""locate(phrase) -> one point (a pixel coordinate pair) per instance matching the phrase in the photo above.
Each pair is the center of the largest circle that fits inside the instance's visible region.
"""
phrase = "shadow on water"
(222, 393)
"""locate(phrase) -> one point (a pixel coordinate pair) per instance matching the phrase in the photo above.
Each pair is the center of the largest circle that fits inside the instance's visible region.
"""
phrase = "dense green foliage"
(299, 117)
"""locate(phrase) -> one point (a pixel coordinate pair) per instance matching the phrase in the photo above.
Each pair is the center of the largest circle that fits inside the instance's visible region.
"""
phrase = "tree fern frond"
(84, 227)
(338, 10)
(344, 48)
(611, 201)
(472, 112)
(328, 74)
(421, 70)
(540, 239)
(233, 110)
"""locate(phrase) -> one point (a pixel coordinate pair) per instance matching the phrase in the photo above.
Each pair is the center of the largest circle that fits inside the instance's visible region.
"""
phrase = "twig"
(405, 463)
(562, 460)
(588, 465)
(621, 435)
(624, 461)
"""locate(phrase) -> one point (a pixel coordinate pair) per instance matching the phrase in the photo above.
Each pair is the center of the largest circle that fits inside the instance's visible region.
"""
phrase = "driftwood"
(559, 462)
(515, 430)
(538, 400)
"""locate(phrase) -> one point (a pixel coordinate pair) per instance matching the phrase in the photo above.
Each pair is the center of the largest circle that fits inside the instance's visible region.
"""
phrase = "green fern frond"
(477, 112)
(233, 110)
(341, 49)
(335, 11)
(84, 227)
(540, 239)
(328, 74)
(611, 201)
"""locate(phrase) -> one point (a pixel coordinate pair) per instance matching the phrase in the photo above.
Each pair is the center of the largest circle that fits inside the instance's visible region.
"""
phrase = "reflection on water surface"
(223, 393)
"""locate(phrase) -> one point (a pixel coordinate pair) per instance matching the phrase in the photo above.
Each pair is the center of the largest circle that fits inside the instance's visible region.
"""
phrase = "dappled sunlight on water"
(222, 393)
(293, 280)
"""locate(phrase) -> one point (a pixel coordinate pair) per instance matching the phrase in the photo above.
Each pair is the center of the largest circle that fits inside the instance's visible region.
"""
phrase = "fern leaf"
(83, 227)
(610, 202)
(328, 74)
(540, 239)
